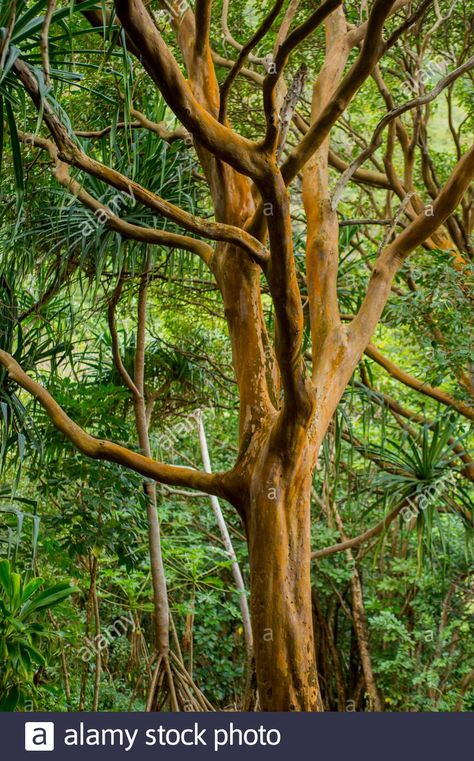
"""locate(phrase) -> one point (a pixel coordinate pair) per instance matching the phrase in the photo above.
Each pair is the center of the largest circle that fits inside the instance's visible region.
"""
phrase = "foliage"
(21, 635)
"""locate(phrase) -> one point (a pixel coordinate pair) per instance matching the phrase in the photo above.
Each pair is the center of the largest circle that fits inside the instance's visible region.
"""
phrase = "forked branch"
(72, 154)
(392, 257)
(388, 118)
(104, 214)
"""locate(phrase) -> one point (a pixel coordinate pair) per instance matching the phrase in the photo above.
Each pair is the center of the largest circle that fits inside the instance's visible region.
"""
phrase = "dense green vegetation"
(77, 610)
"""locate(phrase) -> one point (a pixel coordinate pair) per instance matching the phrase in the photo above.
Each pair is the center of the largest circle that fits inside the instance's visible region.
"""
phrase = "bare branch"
(141, 327)
(357, 540)
(73, 155)
(424, 388)
(159, 128)
(281, 57)
(281, 276)
(289, 105)
(202, 16)
(163, 68)
(388, 118)
(372, 48)
(244, 54)
(101, 449)
(226, 63)
(211, 230)
(44, 40)
(228, 37)
(392, 258)
(117, 357)
(108, 217)
(286, 23)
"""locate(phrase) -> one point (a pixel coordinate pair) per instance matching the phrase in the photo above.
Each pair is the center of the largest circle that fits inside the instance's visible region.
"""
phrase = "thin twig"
(44, 41)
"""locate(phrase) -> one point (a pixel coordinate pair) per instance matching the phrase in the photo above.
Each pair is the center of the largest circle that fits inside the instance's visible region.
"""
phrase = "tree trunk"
(278, 529)
(160, 591)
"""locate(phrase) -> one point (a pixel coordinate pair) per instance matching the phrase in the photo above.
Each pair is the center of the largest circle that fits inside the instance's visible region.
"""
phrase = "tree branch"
(356, 541)
(140, 349)
(117, 357)
(109, 218)
(243, 55)
(44, 40)
(282, 55)
(322, 238)
(394, 114)
(70, 153)
(226, 63)
(282, 280)
(158, 128)
(163, 68)
(424, 388)
(399, 411)
(372, 48)
(202, 14)
(393, 256)
(228, 37)
(101, 449)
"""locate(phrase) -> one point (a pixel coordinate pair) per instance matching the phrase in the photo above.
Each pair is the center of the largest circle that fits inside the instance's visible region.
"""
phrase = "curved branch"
(70, 153)
(109, 219)
(212, 230)
(101, 449)
(372, 49)
(424, 388)
(98, 134)
(228, 37)
(159, 128)
(285, 25)
(346, 545)
(241, 153)
(117, 357)
(362, 176)
(227, 63)
(244, 54)
(392, 258)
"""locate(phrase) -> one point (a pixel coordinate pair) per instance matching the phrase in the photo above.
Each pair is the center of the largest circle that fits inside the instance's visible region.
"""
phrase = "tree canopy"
(236, 358)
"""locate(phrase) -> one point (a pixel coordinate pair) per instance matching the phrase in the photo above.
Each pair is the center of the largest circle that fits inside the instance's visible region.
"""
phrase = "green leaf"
(35, 655)
(5, 577)
(15, 580)
(31, 588)
(48, 598)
